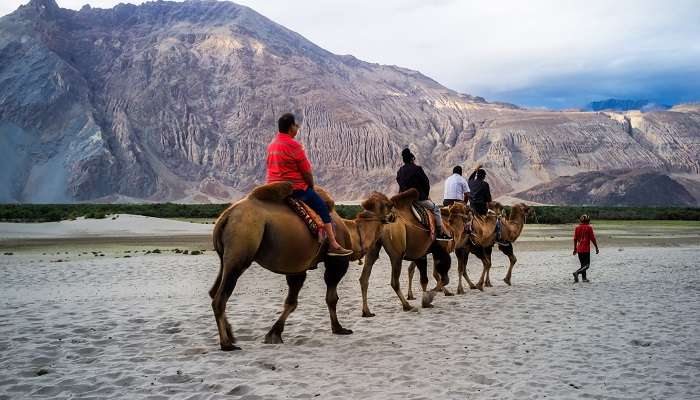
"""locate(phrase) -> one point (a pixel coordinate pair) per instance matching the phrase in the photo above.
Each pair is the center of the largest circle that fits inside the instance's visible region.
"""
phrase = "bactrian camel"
(261, 228)
(405, 239)
(482, 238)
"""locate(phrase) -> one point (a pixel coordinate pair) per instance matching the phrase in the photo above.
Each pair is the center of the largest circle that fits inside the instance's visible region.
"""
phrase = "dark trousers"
(585, 259)
(480, 208)
(313, 200)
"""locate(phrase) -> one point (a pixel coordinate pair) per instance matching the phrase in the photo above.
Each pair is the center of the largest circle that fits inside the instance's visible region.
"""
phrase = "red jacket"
(286, 160)
(583, 236)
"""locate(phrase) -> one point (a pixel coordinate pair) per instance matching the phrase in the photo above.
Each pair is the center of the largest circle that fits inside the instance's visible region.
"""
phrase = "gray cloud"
(536, 52)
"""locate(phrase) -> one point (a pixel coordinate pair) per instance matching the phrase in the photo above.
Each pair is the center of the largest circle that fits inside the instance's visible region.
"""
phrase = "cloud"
(548, 52)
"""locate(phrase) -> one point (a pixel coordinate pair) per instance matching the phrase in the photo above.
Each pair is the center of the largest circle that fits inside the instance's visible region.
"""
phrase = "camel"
(262, 228)
(459, 218)
(511, 228)
(482, 239)
(405, 239)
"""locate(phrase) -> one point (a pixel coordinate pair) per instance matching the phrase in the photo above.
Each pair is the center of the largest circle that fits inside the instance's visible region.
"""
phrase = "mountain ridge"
(174, 101)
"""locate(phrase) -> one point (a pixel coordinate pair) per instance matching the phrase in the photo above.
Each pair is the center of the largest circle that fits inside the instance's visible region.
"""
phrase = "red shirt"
(583, 236)
(286, 160)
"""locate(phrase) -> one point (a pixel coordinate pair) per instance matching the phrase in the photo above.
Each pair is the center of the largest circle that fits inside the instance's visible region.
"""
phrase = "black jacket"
(479, 190)
(413, 176)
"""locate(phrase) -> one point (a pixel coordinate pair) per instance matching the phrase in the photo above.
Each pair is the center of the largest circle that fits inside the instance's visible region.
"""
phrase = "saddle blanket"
(311, 219)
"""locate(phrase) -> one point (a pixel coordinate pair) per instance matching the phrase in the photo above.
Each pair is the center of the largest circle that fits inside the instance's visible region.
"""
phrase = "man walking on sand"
(456, 188)
(287, 161)
(583, 236)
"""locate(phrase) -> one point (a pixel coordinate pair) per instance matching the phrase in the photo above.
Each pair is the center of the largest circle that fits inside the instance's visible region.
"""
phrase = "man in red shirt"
(287, 161)
(583, 236)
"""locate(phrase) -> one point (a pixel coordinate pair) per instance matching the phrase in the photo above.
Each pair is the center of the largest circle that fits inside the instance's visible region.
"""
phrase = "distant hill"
(625, 105)
(612, 188)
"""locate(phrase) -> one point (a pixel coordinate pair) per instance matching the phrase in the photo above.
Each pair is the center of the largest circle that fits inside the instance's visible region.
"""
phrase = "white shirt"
(455, 187)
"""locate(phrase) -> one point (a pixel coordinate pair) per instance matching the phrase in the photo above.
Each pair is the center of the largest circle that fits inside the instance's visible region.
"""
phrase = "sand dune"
(142, 327)
(121, 225)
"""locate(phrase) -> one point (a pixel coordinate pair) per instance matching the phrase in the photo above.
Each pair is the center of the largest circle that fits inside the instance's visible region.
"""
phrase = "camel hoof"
(448, 293)
(273, 339)
(410, 297)
(427, 301)
(229, 347)
(472, 287)
(460, 290)
(507, 281)
(410, 308)
(480, 287)
(342, 331)
(367, 314)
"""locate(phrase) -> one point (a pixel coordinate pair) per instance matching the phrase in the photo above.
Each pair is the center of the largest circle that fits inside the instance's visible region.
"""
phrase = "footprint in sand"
(240, 390)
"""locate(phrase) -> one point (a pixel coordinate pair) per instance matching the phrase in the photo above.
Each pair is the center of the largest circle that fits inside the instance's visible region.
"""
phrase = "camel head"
(459, 218)
(524, 210)
(380, 205)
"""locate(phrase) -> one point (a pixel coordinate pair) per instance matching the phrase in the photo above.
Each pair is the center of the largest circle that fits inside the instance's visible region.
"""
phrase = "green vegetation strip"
(545, 215)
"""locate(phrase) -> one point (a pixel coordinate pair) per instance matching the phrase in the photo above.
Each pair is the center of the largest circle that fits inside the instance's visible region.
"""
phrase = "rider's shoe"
(338, 252)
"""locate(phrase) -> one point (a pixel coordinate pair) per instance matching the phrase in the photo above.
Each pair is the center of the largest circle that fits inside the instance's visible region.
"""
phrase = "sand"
(142, 327)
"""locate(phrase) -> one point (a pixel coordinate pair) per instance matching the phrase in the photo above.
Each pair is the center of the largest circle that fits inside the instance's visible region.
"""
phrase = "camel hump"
(278, 191)
(405, 198)
(273, 192)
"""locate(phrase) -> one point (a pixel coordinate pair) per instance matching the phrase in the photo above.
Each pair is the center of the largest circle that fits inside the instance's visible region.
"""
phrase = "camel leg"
(422, 264)
(462, 257)
(295, 282)
(231, 271)
(396, 284)
(487, 282)
(370, 258)
(411, 271)
(336, 268)
(428, 295)
(466, 273)
(484, 256)
(441, 267)
(508, 251)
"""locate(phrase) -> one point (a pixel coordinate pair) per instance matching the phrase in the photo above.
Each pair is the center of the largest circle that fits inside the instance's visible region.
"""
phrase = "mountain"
(616, 188)
(625, 105)
(177, 101)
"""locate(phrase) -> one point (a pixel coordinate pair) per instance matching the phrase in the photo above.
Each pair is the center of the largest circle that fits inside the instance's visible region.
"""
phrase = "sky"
(554, 54)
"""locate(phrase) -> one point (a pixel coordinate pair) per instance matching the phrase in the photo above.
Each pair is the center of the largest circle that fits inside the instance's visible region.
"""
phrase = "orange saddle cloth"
(311, 219)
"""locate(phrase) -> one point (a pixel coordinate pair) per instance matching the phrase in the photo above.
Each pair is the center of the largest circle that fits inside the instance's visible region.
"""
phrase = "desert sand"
(90, 315)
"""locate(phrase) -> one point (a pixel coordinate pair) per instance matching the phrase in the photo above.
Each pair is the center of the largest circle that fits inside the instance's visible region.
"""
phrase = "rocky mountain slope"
(177, 101)
(615, 188)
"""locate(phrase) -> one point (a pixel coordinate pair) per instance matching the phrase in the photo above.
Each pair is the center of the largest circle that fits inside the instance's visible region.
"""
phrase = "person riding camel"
(412, 176)
(287, 161)
(456, 188)
(480, 193)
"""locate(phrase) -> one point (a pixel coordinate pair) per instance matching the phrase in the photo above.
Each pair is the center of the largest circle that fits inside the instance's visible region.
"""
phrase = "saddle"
(425, 217)
(281, 192)
(310, 218)
(499, 225)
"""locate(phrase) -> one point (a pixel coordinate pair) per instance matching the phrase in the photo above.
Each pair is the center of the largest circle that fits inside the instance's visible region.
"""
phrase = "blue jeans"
(313, 200)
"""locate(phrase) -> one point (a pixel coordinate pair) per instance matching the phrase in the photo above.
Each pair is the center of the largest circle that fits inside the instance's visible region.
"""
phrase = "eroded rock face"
(177, 102)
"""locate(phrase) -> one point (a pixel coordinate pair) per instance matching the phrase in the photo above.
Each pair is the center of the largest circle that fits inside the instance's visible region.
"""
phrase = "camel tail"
(219, 247)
